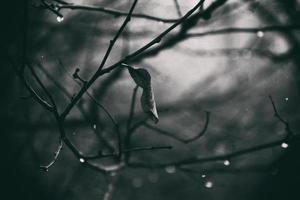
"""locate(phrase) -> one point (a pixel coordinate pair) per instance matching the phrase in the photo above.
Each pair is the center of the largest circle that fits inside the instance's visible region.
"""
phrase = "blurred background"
(226, 65)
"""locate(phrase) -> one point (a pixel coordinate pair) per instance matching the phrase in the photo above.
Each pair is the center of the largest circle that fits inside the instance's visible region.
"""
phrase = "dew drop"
(260, 34)
(170, 169)
(203, 175)
(226, 162)
(59, 19)
(94, 126)
(209, 184)
(81, 160)
(284, 145)
(161, 23)
(286, 99)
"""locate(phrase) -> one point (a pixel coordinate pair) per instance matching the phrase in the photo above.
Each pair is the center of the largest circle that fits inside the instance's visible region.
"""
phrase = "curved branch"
(172, 135)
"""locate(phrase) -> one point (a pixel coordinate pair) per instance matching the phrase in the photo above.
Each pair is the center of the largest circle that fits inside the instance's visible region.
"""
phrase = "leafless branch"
(172, 135)
(276, 28)
(99, 70)
(198, 159)
(285, 122)
(56, 8)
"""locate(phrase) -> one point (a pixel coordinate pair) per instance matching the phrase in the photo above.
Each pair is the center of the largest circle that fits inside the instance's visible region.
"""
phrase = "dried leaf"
(143, 79)
(140, 76)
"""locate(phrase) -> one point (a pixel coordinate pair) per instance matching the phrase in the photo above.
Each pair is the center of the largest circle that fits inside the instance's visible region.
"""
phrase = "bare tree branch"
(56, 8)
(172, 135)
(278, 28)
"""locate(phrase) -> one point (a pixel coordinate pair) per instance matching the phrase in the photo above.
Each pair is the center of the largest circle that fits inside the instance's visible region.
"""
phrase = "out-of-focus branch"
(67, 94)
(132, 106)
(177, 6)
(198, 159)
(172, 135)
(33, 93)
(276, 28)
(129, 150)
(42, 86)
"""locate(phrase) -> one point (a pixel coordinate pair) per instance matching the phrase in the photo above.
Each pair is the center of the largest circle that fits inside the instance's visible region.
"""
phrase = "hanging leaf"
(140, 76)
(143, 79)
(148, 103)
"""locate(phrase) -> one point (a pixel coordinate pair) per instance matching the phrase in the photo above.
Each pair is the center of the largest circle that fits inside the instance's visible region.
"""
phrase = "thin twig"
(42, 85)
(116, 125)
(32, 92)
(285, 122)
(129, 150)
(105, 10)
(198, 159)
(51, 7)
(132, 106)
(278, 28)
(172, 135)
(67, 94)
(178, 8)
(56, 154)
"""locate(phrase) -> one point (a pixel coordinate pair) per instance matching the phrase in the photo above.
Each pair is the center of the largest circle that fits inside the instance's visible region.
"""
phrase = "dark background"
(188, 78)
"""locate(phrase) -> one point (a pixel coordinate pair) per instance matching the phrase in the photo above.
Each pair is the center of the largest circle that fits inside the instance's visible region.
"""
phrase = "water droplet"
(170, 169)
(153, 177)
(59, 19)
(226, 162)
(208, 184)
(284, 145)
(94, 126)
(161, 23)
(260, 34)
(286, 99)
(203, 175)
(81, 160)
(137, 182)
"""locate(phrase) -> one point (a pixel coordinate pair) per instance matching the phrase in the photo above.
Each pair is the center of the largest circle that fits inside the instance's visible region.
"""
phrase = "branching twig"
(53, 8)
(285, 122)
(198, 159)
(99, 70)
(105, 10)
(67, 94)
